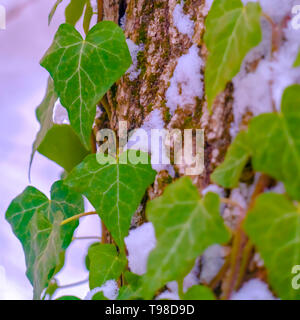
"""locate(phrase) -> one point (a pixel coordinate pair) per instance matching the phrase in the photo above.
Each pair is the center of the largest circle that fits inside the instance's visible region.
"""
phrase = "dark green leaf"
(83, 70)
(68, 298)
(185, 225)
(115, 190)
(36, 221)
(105, 264)
(132, 290)
(275, 142)
(273, 225)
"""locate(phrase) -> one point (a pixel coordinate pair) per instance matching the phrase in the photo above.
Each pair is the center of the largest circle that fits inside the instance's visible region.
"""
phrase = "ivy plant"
(186, 223)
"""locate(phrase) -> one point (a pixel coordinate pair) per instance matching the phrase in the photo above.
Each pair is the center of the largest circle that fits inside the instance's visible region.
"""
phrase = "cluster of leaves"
(82, 70)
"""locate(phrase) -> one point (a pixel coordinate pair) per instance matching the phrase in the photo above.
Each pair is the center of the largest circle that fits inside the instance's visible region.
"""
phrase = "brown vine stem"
(93, 142)
(100, 10)
(241, 249)
(232, 203)
(78, 216)
(214, 282)
(105, 104)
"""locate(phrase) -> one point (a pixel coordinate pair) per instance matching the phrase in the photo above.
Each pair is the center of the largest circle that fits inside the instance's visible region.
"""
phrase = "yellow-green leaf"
(273, 225)
(198, 292)
(185, 225)
(36, 220)
(229, 172)
(232, 30)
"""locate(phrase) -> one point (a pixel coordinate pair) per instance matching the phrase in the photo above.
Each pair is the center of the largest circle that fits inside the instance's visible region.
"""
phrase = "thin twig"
(237, 269)
(70, 285)
(78, 216)
(87, 238)
(232, 203)
(106, 106)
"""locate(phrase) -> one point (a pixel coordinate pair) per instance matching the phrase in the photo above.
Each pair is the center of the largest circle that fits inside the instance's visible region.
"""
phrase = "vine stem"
(232, 203)
(242, 248)
(105, 104)
(100, 10)
(78, 216)
(70, 285)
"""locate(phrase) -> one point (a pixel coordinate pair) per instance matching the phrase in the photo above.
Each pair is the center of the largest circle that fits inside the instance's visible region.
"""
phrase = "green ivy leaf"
(297, 61)
(44, 114)
(185, 225)
(232, 30)
(65, 298)
(273, 225)
(99, 296)
(105, 264)
(53, 10)
(74, 11)
(83, 70)
(115, 190)
(199, 293)
(59, 143)
(132, 290)
(88, 14)
(62, 145)
(275, 142)
(36, 221)
(229, 172)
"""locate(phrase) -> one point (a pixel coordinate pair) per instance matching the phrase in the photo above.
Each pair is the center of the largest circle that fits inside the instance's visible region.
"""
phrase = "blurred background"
(22, 87)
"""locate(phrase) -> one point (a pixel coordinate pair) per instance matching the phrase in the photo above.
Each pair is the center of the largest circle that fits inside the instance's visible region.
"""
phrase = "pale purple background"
(22, 87)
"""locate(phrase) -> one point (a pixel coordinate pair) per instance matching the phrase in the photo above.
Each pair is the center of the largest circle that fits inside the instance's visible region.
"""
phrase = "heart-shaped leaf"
(275, 142)
(114, 189)
(229, 172)
(36, 222)
(105, 264)
(132, 289)
(83, 70)
(199, 293)
(231, 31)
(62, 145)
(273, 225)
(185, 225)
(59, 143)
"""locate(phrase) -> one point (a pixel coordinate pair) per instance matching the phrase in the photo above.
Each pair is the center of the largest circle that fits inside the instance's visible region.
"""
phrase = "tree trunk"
(151, 26)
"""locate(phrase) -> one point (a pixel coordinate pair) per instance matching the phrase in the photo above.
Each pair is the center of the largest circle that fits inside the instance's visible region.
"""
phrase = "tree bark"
(151, 23)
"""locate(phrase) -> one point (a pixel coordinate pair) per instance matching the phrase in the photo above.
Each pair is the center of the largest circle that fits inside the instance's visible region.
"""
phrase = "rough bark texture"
(151, 23)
